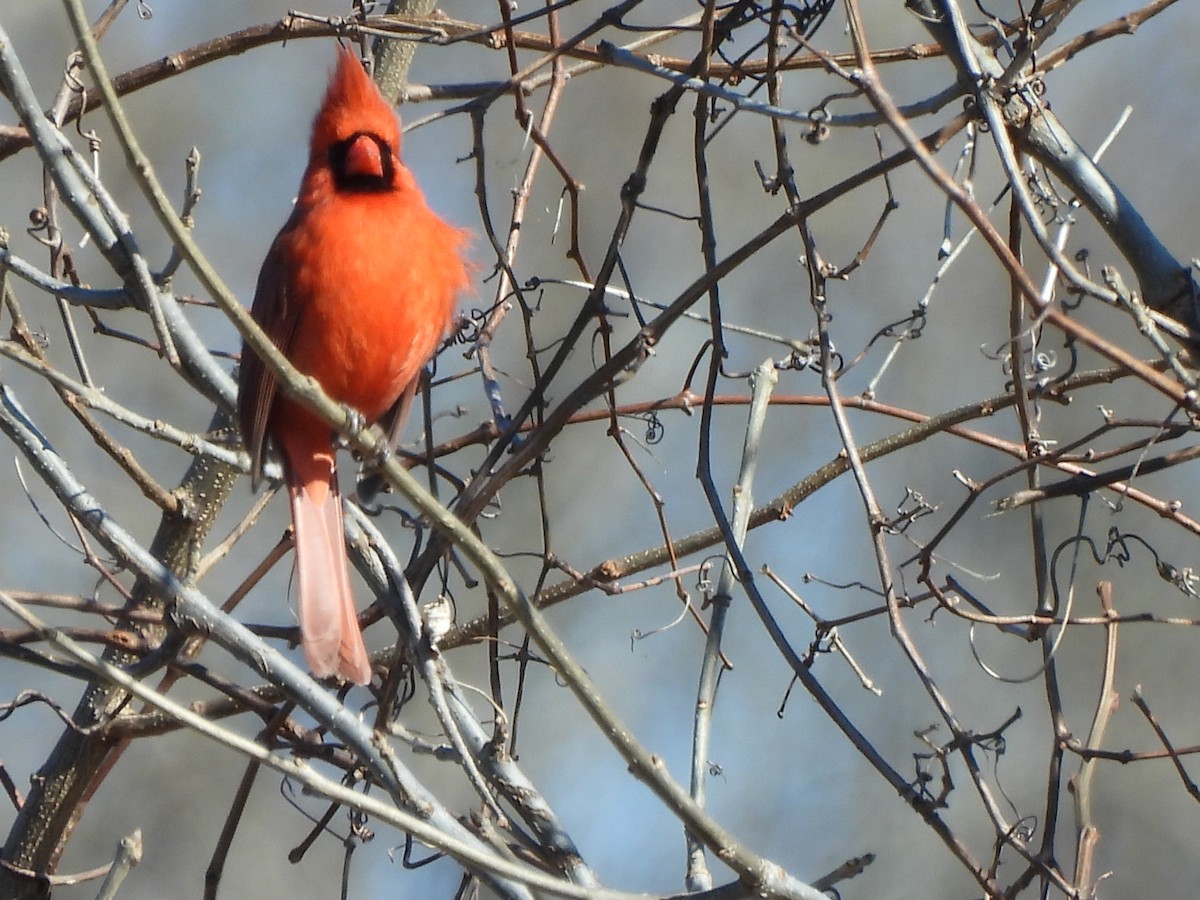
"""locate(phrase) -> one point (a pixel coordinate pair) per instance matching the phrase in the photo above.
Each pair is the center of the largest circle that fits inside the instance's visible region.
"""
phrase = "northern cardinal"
(357, 290)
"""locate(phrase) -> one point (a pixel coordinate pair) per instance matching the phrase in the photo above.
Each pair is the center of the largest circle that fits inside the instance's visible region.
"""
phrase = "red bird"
(357, 290)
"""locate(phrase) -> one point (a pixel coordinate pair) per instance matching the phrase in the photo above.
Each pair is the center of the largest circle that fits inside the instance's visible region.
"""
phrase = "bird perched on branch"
(357, 290)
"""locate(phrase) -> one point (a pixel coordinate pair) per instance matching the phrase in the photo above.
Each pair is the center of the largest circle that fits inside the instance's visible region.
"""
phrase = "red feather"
(357, 290)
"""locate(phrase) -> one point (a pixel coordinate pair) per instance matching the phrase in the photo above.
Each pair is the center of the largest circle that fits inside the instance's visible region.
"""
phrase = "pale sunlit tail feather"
(331, 638)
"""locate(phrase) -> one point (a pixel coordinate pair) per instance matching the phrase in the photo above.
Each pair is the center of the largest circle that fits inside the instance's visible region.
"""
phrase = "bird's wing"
(257, 386)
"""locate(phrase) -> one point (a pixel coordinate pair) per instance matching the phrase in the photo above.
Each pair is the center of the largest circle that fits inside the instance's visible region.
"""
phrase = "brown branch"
(782, 507)
(1123, 25)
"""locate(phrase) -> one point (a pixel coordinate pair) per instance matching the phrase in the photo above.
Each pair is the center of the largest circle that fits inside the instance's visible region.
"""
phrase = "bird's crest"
(352, 105)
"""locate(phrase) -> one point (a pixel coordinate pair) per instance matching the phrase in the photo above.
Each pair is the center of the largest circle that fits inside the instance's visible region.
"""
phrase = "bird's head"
(355, 133)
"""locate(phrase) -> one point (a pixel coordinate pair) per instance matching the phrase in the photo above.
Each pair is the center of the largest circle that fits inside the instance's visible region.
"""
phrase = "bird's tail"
(329, 631)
